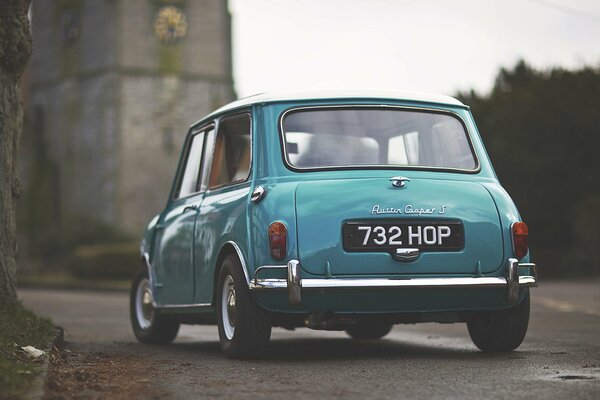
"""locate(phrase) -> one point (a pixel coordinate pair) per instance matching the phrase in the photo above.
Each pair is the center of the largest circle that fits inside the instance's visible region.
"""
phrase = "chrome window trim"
(217, 129)
(207, 158)
(204, 129)
(293, 168)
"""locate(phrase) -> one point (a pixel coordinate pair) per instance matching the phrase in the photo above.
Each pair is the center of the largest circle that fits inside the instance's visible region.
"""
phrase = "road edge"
(37, 389)
(75, 286)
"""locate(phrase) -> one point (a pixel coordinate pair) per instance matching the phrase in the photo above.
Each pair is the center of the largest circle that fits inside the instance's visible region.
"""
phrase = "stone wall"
(72, 115)
(79, 128)
(164, 89)
(110, 105)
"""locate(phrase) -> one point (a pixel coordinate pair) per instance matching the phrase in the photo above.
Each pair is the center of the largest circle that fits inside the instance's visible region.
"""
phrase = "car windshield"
(355, 137)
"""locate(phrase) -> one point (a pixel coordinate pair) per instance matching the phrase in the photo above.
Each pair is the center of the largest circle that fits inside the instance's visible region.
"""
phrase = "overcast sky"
(425, 45)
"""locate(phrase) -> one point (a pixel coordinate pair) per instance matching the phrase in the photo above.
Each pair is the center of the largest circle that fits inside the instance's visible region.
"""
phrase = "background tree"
(15, 49)
(542, 130)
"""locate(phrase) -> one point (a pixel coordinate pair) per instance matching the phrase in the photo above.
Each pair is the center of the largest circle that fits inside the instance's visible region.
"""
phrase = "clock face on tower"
(170, 24)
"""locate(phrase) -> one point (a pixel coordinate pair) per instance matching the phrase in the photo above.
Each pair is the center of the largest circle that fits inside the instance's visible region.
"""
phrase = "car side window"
(231, 159)
(209, 144)
(190, 183)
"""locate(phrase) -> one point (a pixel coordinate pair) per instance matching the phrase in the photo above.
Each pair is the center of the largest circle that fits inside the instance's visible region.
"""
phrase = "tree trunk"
(15, 49)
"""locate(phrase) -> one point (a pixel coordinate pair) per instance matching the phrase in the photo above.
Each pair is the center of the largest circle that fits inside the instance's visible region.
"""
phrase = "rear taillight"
(520, 242)
(278, 240)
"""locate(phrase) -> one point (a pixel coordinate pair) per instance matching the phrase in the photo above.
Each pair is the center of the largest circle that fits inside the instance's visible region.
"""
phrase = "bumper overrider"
(294, 284)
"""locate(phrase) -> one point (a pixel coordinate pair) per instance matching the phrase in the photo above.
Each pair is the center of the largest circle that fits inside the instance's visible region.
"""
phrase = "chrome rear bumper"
(295, 284)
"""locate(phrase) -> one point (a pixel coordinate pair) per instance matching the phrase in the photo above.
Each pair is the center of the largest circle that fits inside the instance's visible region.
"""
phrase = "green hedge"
(113, 261)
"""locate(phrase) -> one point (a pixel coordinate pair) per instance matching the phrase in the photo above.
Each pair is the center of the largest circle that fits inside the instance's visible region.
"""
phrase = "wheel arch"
(229, 248)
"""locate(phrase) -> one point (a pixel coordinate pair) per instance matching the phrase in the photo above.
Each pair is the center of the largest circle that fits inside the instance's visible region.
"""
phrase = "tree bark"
(15, 49)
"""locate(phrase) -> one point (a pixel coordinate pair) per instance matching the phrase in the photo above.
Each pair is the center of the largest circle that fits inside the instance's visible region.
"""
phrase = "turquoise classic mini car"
(347, 211)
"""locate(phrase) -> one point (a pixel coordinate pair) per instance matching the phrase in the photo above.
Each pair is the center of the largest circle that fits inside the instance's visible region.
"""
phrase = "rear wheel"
(148, 325)
(500, 331)
(369, 331)
(244, 327)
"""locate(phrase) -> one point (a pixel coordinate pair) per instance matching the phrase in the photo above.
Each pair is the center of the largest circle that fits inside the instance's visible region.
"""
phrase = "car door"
(174, 265)
(222, 213)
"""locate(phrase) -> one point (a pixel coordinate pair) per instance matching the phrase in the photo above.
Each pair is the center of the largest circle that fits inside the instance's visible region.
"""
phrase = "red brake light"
(278, 240)
(520, 242)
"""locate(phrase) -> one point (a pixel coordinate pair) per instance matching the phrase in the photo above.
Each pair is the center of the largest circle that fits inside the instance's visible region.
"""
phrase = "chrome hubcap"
(144, 309)
(147, 309)
(228, 307)
(231, 307)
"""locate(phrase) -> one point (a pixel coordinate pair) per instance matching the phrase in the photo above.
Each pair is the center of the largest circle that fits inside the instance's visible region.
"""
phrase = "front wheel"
(244, 328)
(148, 325)
(500, 331)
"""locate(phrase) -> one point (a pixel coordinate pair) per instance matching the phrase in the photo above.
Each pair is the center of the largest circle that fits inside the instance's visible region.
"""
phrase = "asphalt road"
(560, 358)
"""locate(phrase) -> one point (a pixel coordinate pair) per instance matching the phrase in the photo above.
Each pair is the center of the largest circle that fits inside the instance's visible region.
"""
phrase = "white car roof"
(269, 97)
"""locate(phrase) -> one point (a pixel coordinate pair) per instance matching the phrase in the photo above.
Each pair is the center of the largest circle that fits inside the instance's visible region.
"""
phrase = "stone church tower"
(114, 85)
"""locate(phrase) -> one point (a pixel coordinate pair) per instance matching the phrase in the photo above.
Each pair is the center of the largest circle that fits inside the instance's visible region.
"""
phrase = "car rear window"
(389, 137)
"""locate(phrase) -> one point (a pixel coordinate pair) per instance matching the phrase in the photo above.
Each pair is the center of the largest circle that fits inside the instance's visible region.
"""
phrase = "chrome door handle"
(190, 208)
(257, 194)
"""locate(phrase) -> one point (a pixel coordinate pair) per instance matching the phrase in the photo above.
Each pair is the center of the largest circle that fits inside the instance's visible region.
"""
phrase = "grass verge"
(19, 327)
